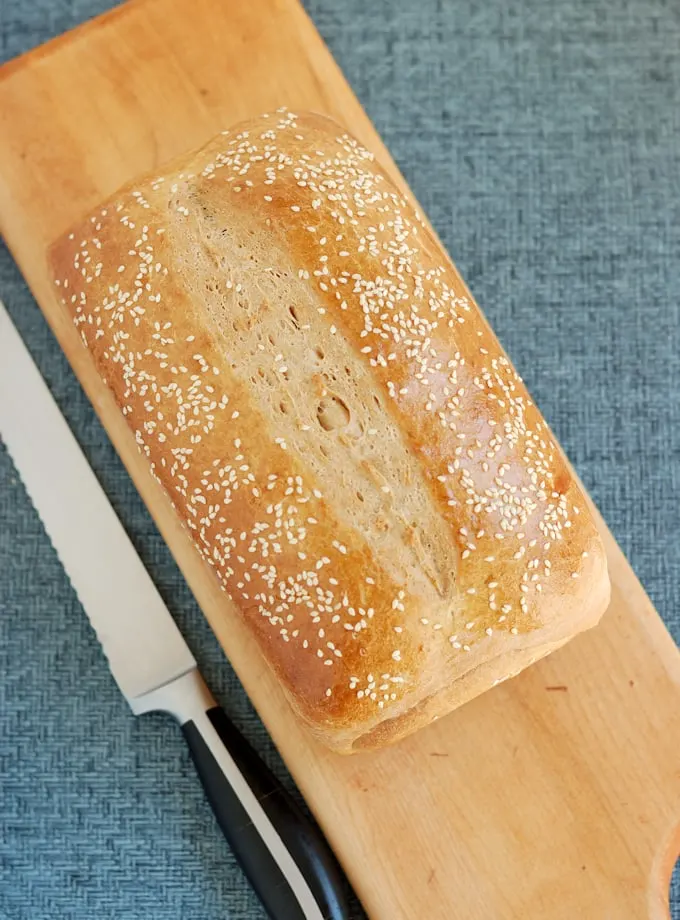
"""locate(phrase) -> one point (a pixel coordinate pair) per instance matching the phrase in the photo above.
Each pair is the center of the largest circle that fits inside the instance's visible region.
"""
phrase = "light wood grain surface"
(555, 796)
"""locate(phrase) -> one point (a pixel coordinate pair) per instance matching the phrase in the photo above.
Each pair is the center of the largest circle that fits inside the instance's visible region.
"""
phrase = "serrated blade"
(144, 647)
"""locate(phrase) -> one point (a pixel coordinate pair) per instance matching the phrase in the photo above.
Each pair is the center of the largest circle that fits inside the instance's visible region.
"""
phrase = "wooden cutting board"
(556, 795)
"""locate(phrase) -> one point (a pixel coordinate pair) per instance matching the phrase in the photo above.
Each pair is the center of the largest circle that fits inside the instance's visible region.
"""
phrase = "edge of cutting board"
(591, 771)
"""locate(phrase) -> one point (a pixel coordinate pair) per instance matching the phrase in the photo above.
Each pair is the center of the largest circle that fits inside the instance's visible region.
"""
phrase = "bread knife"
(282, 852)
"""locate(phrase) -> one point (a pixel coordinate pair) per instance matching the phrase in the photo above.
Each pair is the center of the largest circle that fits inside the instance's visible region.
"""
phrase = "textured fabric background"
(542, 138)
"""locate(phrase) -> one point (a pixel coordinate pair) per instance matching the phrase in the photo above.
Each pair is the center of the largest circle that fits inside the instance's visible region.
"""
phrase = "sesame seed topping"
(409, 325)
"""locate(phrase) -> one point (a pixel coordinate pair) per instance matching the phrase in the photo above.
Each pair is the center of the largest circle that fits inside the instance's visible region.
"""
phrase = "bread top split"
(335, 423)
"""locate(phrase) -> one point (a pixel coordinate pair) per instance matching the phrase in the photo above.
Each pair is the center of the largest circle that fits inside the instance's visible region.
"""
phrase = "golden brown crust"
(509, 565)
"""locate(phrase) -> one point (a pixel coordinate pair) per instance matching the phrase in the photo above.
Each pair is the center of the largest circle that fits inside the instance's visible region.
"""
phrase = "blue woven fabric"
(542, 138)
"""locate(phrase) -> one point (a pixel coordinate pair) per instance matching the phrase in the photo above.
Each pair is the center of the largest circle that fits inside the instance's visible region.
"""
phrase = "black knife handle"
(282, 852)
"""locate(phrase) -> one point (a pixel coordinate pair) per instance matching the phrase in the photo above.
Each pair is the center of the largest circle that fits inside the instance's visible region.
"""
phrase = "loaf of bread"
(336, 425)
